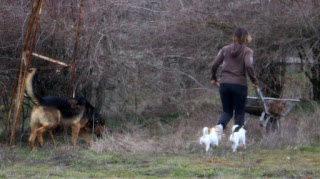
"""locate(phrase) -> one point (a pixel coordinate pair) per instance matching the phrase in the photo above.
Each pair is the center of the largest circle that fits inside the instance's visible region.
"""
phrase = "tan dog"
(51, 111)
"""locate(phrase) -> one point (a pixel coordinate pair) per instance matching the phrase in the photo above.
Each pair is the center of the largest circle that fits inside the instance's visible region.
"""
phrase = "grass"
(159, 148)
(310, 149)
(81, 162)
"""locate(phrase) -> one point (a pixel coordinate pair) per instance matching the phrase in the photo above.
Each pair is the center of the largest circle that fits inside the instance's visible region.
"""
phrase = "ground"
(169, 147)
(81, 162)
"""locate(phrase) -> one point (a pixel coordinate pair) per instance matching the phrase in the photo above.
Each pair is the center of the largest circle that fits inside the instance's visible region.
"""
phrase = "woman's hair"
(241, 36)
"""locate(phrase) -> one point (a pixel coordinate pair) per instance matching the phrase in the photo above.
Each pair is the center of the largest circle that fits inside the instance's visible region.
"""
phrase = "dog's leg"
(32, 138)
(40, 139)
(234, 147)
(34, 125)
(83, 133)
(52, 138)
(236, 144)
(207, 147)
(217, 142)
(39, 134)
(75, 133)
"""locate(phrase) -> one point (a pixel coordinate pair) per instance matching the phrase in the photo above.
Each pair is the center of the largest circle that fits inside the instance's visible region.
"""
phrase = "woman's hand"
(255, 86)
(213, 82)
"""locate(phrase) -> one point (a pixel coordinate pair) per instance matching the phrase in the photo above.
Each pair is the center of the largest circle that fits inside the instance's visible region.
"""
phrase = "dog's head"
(97, 123)
(236, 128)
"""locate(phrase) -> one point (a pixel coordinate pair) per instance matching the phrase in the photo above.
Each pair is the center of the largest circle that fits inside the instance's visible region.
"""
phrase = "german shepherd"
(51, 111)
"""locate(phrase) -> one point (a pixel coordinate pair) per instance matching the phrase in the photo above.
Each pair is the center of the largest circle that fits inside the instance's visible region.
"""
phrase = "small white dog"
(210, 137)
(238, 138)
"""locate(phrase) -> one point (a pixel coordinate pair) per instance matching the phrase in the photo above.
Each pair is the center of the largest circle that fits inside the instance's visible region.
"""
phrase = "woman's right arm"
(249, 68)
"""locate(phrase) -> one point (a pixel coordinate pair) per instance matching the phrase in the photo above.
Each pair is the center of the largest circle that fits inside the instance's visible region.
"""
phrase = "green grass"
(310, 149)
(83, 163)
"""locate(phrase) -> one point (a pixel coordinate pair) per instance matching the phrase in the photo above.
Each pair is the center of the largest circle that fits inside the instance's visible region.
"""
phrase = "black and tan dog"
(50, 111)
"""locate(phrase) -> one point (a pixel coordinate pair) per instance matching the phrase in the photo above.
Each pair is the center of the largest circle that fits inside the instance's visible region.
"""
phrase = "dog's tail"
(30, 84)
(205, 131)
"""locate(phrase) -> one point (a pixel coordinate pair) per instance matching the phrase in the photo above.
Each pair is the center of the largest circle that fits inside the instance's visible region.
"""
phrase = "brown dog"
(50, 111)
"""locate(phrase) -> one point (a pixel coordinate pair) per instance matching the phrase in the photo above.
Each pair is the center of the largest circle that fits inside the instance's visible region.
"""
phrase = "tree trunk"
(315, 80)
(314, 74)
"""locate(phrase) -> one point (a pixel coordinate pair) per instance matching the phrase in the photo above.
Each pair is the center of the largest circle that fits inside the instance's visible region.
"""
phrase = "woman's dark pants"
(233, 97)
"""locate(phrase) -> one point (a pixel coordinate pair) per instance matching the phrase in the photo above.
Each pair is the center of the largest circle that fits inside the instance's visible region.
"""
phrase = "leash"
(260, 96)
(259, 93)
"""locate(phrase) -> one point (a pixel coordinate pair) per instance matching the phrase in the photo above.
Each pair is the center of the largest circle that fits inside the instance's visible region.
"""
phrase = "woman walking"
(237, 63)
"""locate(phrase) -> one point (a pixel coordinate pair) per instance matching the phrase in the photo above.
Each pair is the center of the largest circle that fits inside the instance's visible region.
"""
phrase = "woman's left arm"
(216, 63)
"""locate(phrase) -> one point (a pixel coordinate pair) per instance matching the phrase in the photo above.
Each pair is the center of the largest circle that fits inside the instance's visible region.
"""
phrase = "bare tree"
(132, 52)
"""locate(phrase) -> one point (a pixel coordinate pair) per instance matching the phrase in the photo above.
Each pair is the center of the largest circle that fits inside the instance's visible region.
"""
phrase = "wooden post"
(18, 77)
(75, 51)
(21, 87)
